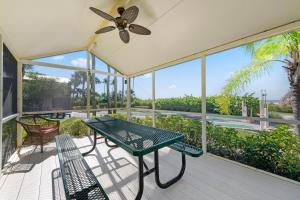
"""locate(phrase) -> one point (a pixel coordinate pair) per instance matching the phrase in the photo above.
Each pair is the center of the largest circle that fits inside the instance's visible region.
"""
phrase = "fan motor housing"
(121, 23)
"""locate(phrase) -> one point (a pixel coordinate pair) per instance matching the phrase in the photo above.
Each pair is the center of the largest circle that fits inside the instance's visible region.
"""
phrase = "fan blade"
(102, 14)
(139, 29)
(130, 14)
(124, 35)
(105, 29)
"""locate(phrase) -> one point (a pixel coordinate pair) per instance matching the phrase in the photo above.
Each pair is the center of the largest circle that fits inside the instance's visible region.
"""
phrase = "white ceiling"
(179, 27)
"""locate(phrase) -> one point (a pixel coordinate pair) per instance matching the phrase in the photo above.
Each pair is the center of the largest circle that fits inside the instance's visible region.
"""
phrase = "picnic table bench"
(78, 179)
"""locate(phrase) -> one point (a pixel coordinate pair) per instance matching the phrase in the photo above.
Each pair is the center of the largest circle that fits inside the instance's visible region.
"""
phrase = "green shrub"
(223, 141)
(186, 103)
(289, 142)
(189, 127)
(277, 108)
(214, 104)
(118, 116)
(274, 115)
(232, 104)
(262, 153)
(73, 126)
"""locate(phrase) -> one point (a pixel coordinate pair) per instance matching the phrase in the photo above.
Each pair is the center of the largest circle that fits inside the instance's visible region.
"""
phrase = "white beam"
(58, 66)
(153, 99)
(50, 54)
(19, 101)
(203, 101)
(88, 82)
(1, 97)
(128, 99)
(106, 73)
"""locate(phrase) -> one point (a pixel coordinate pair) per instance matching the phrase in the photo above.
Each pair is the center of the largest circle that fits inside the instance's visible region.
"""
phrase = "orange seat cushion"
(49, 130)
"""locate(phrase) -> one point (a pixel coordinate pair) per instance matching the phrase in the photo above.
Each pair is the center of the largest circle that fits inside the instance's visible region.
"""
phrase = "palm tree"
(26, 68)
(285, 49)
(75, 82)
(78, 79)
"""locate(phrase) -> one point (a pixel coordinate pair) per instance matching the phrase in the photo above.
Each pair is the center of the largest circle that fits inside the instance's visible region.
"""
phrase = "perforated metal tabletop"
(135, 138)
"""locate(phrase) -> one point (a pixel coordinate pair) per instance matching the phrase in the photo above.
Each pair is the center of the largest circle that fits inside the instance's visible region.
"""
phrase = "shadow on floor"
(57, 185)
(26, 161)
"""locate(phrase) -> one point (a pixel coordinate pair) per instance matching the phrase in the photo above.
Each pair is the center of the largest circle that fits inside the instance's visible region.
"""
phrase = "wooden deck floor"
(32, 175)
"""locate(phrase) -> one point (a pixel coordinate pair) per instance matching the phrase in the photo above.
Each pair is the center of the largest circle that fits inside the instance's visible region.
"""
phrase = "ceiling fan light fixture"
(123, 22)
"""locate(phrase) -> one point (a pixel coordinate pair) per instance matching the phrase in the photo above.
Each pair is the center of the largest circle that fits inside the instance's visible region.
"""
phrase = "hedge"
(213, 104)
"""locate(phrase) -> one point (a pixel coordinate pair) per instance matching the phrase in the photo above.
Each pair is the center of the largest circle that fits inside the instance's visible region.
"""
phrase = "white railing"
(10, 117)
(198, 114)
(68, 111)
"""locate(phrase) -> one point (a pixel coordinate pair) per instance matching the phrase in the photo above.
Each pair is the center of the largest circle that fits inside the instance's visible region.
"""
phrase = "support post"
(19, 101)
(115, 92)
(1, 96)
(128, 96)
(153, 99)
(93, 84)
(88, 81)
(203, 100)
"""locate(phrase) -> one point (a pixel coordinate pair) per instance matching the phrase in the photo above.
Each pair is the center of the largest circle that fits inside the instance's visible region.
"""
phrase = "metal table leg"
(94, 145)
(141, 179)
(172, 181)
(109, 145)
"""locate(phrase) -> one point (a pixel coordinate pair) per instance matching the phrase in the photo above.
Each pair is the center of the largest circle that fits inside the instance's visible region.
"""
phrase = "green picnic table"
(139, 141)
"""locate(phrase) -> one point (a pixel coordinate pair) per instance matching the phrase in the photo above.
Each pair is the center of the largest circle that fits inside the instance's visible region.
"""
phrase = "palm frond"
(274, 47)
(263, 53)
(244, 76)
(250, 48)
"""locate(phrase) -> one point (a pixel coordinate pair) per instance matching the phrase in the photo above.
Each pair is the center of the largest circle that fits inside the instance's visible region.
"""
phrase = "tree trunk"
(93, 85)
(296, 104)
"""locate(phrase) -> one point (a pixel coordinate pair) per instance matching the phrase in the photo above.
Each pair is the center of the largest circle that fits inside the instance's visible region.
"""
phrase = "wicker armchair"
(38, 126)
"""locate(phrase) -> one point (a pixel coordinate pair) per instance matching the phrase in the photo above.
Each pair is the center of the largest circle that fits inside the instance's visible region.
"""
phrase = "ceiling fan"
(123, 22)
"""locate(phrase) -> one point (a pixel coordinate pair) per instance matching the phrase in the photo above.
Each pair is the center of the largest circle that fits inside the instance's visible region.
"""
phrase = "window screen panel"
(9, 83)
(9, 140)
(49, 89)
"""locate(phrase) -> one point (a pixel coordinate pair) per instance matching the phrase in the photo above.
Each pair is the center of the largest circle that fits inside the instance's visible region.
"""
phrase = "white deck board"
(32, 175)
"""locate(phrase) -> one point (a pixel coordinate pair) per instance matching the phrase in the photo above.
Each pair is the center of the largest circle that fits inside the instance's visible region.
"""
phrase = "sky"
(185, 79)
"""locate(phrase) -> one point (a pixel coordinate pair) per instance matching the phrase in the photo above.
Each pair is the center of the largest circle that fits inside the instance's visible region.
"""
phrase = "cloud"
(173, 86)
(146, 76)
(79, 62)
(61, 57)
